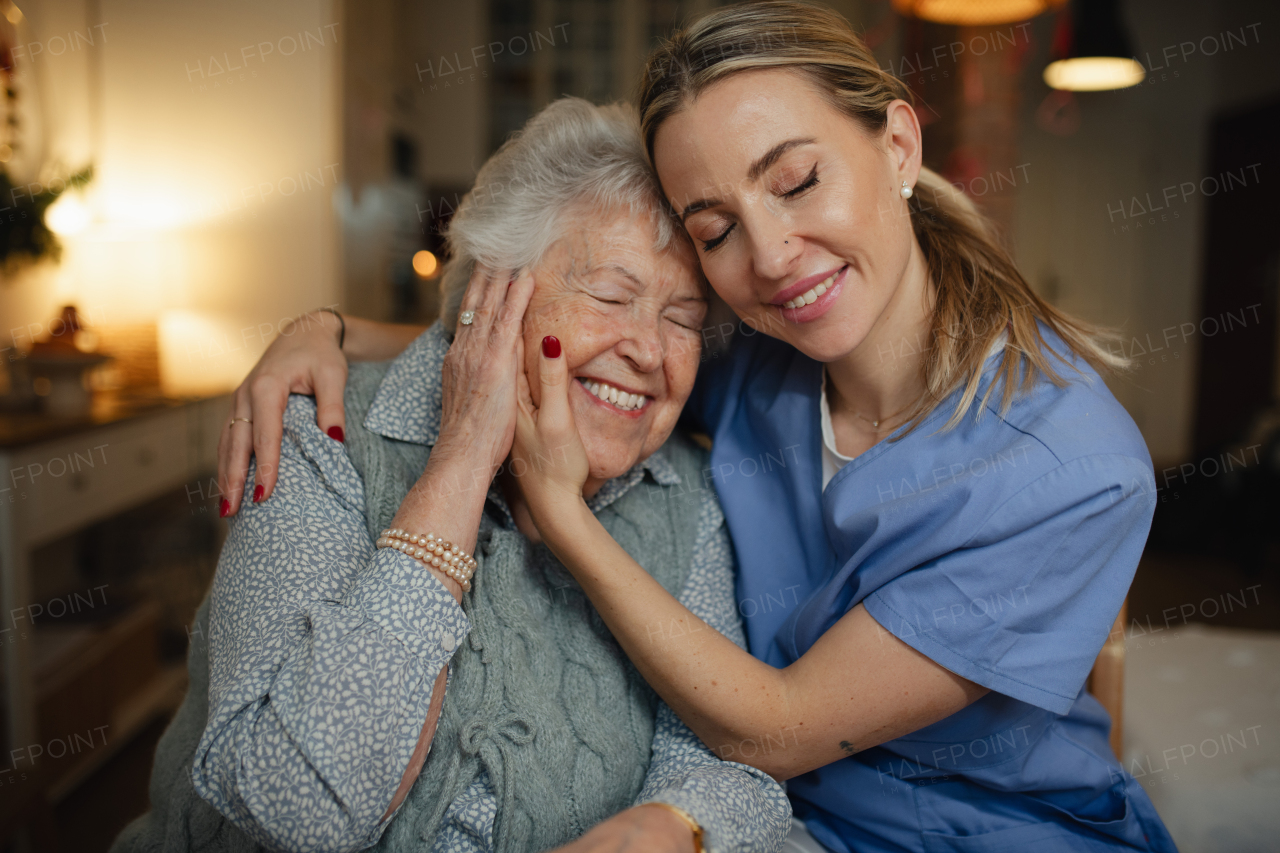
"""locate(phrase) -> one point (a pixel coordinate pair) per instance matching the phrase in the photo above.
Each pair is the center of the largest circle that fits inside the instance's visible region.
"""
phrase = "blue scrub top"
(1002, 549)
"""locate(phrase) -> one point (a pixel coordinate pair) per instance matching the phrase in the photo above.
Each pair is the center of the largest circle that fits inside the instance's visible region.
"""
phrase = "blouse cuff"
(410, 603)
(727, 826)
(693, 805)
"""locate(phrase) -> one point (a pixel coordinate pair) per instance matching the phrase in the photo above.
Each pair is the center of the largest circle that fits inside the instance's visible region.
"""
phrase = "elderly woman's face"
(629, 323)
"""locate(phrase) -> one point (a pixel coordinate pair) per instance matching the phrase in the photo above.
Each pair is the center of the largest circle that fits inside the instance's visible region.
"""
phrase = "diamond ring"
(466, 318)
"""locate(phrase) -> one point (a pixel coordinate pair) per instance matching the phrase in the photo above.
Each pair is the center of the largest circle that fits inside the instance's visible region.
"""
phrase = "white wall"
(217, 157)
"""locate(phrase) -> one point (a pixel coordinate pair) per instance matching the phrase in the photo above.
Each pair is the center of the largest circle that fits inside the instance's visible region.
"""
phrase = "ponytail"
(979, 293)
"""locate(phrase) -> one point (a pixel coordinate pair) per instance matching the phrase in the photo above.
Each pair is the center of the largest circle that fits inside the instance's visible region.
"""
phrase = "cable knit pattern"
(323, 653)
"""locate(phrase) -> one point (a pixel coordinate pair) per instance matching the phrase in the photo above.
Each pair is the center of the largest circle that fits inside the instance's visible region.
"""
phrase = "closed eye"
(688, 314)
(711, 244)
(809, 183)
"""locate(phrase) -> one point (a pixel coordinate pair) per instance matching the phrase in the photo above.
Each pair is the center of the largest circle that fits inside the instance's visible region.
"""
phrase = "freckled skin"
(644, 337)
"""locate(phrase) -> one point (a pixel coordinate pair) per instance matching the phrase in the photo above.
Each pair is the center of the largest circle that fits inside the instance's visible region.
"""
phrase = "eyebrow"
(628, 274)
(757, 168)
(625, 273)
(772, 155)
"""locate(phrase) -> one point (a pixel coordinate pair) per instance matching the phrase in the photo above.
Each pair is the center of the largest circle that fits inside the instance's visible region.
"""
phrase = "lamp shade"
(974, 13)
(1100, 55)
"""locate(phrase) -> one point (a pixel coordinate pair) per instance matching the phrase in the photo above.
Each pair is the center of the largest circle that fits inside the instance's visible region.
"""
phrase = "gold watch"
(693, 825)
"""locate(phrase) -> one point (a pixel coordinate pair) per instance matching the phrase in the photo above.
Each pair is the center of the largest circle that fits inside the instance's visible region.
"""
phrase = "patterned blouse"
(324, 652)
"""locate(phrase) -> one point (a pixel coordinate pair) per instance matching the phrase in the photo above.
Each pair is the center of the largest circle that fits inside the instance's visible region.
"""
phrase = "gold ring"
(233, 422)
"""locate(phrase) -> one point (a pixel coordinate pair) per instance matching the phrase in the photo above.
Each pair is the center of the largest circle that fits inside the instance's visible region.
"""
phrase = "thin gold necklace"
(874, 423)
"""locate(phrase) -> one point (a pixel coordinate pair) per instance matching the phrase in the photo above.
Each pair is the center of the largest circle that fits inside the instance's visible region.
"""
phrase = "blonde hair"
(572, 153)
(979, 293)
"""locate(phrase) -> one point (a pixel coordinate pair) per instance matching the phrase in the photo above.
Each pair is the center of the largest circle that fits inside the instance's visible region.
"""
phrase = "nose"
(774, 249)
(642, 344)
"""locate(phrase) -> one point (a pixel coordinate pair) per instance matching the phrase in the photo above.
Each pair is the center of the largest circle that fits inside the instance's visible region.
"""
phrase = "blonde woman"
(937, 506)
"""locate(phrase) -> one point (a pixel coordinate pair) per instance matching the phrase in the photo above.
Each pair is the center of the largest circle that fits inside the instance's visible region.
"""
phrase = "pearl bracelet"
(432, 551)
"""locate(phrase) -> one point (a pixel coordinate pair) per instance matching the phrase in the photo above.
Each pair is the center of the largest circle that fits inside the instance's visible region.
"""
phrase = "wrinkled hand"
(304, 360)
(642, 829)
(481, 374)
(548, 459)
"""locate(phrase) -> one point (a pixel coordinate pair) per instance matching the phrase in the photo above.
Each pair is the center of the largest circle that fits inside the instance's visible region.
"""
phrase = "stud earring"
(906, 190)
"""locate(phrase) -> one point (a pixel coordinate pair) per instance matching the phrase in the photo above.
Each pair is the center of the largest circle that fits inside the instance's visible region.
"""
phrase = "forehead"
(597, 241)
(737, 119)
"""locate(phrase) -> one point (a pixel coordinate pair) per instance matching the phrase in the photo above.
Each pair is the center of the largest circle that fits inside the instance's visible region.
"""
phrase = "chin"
(832, 340)
(609, 464)
(608, 456)
(820, 347)
(610, 452)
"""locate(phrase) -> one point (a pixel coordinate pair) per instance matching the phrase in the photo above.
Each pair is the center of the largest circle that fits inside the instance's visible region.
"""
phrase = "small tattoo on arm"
(848, 748)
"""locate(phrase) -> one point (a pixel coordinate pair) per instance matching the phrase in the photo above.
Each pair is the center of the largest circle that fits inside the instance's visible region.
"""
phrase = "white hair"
(571, 153)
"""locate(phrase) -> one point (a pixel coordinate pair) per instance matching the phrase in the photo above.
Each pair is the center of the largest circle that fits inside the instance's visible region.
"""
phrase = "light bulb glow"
(425, 264)
(974, 13)
(68, 215)
(1094, 73)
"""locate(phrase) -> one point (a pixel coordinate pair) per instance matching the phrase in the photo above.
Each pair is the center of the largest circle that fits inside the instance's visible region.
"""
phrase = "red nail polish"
(551, 346)
(336, 433)
(224, 508)
(257, 493)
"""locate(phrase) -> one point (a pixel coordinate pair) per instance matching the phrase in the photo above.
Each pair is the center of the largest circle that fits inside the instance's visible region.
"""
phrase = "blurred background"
(179, 179)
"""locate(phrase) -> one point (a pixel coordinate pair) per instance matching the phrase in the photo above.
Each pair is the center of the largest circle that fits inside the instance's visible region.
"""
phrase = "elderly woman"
(369, 681)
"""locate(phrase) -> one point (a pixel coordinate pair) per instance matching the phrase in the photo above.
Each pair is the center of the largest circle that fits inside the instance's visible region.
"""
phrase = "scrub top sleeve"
(1024, 606)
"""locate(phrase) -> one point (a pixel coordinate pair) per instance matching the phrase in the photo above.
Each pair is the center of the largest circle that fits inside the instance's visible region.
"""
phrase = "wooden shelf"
(132, 451)
(161, 696)
(18, 429)
(31, 803)
(105, 678)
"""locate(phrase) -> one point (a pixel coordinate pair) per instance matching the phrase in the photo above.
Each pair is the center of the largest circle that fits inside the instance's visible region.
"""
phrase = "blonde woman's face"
(796, 212)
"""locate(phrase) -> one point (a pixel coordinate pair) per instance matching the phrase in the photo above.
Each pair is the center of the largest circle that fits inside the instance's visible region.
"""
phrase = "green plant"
(24, 236)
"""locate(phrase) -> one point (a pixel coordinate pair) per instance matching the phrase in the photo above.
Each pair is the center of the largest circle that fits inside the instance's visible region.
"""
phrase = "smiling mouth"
(622, 400)
(811, 295)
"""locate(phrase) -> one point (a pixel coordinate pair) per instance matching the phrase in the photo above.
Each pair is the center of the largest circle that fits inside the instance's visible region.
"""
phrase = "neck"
(881, 377)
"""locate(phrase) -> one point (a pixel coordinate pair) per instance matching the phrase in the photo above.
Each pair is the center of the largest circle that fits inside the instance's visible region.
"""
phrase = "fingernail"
(257, 494)
(551, 346)
(224, 508)
(336, 433)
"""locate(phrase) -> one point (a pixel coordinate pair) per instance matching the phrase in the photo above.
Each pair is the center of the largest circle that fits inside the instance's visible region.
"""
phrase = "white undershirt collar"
(832, 459)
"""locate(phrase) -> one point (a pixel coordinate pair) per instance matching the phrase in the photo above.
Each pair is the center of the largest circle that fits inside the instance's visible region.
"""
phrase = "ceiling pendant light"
(1098, 55)
(974, 13)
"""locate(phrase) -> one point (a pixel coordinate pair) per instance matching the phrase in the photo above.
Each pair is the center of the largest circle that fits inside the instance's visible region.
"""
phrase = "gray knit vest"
(541, 699)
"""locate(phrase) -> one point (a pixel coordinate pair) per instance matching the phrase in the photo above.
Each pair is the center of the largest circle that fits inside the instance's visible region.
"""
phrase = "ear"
(903, 136)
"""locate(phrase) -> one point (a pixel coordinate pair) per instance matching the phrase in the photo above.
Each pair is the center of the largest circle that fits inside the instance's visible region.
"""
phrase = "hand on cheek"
(548, 459)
